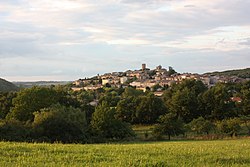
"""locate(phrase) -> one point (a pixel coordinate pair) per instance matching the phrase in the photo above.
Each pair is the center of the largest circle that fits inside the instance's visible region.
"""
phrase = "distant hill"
(40, 83)
(242, 73)
(6, 86)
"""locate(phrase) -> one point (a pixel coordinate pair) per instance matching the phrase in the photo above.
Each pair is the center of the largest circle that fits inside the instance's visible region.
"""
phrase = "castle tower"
(143, 67)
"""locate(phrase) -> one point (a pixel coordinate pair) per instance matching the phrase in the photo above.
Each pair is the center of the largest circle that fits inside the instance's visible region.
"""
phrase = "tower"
(143, 67)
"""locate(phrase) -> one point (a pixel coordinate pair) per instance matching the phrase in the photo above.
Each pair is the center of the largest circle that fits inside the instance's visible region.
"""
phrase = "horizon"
(64, 40)
(108, 72)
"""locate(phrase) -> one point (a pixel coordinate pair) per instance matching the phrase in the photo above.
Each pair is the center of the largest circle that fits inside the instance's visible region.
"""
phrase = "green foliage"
(6, 103)
(126, 109)
(148, 109)
(13, 130)
(242, 73)
(60, 123)
(169, 125)
(245, 94)
(67, 116)
(140, 109)
(31, 100)
(111, 98)
(132, 92)
(182, 99)
(246, 121)
(229, 126)
(85, 97)
(217, 103)
(105, 125)
(200, 125)
(156, 87)
(65, 96)
(171, 71)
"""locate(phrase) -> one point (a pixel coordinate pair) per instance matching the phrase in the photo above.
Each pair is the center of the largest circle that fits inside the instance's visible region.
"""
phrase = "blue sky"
(71, 39)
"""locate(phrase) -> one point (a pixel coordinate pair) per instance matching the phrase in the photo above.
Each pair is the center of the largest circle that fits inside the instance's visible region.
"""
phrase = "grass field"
(180, 153)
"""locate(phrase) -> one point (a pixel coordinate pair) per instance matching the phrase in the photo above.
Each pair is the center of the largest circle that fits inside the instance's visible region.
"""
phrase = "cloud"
(245, 42)
(85, 37)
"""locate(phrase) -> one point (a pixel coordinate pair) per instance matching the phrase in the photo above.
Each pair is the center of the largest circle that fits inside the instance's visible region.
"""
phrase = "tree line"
(57, 113)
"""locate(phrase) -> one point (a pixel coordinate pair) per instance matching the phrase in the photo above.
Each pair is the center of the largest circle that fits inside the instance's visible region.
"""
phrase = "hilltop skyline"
(70, 39)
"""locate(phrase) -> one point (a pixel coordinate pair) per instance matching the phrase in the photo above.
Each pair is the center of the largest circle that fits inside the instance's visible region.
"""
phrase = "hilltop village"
(146, 79)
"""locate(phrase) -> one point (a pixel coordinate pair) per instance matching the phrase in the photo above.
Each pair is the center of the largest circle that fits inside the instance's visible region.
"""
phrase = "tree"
(105, 125)
(66, 96)
(31, 100)
(245, 94)
(229, 126)
(246, 120)
(169, 125)
(200, 125)
(132, 92)
(148, 109)
(156, 87)
(126, 108)
(217, 103)
(60, 123)
(13, 130)
(111, 98)
(6, 103)
(182, 99)
(171, 71)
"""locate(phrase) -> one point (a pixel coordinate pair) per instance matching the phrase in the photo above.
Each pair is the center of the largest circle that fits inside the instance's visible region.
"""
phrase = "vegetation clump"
(58, 114)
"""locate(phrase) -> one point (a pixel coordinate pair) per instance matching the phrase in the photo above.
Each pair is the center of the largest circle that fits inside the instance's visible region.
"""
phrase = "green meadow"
(170, 153)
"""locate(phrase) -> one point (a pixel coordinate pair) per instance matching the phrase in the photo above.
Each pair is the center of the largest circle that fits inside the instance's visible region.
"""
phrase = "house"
(123, 80)
(236, 99)
(158, 93)
(135, 83)
(92, 87)
(76, 88)
(106, 81)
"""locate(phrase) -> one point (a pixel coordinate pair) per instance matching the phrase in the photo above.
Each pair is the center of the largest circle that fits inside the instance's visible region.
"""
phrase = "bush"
(229, 126)
(105, 125)
(169, 125)
(59, 123)
(14, 130)
(200, 125)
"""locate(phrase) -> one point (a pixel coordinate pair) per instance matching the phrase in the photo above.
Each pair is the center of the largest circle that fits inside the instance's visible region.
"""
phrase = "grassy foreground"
(180, 153)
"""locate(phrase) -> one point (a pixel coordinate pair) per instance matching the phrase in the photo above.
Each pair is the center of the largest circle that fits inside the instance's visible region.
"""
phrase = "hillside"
(242, 73)
(6, 86)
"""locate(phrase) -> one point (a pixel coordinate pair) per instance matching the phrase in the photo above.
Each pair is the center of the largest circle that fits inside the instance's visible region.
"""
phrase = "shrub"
(200, 125)
(229, 126)
(60, 123)
(105, 125)
(169, 125)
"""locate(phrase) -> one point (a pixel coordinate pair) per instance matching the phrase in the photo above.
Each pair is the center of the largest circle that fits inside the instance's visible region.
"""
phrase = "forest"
(58, 114)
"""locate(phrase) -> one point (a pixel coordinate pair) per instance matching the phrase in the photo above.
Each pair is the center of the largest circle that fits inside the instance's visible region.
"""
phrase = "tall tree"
(31, 100)
(105, 125)
(149, 109)
(126, 109)
(182, 99)
(200, 125)
(169, 125)
(217, 103)
(60, 123)
(6, 103)
(245, 94)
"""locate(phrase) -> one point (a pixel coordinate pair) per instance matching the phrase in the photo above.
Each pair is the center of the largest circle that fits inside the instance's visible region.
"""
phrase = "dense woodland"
(242, 73)
(58, 114)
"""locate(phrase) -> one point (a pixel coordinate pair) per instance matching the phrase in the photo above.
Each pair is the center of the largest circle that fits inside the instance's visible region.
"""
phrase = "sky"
(72, 39)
